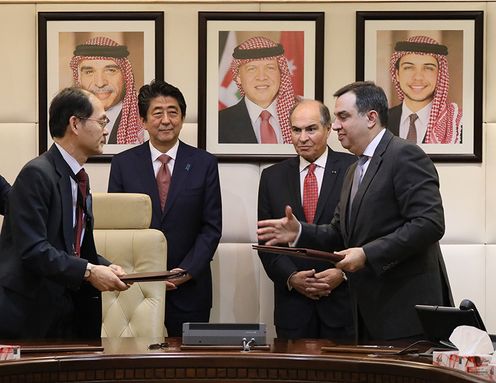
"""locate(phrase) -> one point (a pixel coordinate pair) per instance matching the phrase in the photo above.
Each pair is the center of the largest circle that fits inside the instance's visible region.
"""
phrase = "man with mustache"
(101, 66)
(262, 75)
(311, 297)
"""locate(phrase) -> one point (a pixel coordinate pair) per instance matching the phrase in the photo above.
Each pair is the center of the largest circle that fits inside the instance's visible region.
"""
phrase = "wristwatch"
(87, 272)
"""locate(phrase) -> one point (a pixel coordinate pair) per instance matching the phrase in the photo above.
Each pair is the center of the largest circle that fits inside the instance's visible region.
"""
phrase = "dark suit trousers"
(54, 323)
(315, 328)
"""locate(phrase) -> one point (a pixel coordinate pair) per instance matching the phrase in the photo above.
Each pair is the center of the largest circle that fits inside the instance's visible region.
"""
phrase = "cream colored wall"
(242, 292)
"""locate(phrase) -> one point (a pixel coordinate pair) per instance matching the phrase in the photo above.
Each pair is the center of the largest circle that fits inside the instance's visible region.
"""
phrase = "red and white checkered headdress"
(444, 120)
(130, 130)
(261, 48)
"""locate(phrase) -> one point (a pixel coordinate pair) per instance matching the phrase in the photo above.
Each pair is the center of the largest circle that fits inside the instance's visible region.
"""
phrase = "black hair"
(368, 97)
(67, 103)
(155, 89)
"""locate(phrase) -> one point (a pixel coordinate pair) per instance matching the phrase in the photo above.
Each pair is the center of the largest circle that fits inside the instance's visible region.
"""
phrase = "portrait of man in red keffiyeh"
(262, 76)
(101, 66)
(419, 71)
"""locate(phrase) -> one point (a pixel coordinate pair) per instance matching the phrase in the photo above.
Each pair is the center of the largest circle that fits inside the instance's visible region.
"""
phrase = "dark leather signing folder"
(317, 255)
(152, 276)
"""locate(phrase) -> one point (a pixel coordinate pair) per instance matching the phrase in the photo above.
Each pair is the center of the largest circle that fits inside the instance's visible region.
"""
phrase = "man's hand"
(331, 277)
(172, 284)
(316, 285)
(279, 231)
(301, 281)
(118, 270)
(105, 278)
(354, 259)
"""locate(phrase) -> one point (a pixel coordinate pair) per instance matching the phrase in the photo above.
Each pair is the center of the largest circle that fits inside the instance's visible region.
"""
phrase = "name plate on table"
(224, 334)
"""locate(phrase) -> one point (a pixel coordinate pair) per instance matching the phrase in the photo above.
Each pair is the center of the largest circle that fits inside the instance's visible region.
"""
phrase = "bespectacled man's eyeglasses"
(103, 122)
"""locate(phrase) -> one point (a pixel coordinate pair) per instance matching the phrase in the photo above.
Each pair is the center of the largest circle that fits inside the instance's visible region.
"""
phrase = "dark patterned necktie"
(412, 130)
(82, 181)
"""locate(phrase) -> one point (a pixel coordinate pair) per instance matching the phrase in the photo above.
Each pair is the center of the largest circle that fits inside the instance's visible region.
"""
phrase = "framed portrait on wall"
(111, 54)
(253, 67)
(430, 66)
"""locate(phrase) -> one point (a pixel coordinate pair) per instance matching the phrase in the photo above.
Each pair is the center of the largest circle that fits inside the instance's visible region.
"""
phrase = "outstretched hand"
(279, 231)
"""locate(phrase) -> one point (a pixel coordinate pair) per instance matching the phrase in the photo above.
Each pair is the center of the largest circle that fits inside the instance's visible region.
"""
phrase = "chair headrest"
(122, 210)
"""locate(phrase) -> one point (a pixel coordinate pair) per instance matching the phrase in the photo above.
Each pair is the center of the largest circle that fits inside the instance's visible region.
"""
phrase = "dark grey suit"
(42, 293)
(235, 125)
(394, 119)
(112, 138)
(4, 190)
(280, 186)
(398, 219)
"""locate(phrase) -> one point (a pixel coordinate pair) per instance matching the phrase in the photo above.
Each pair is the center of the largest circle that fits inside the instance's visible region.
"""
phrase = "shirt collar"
(71, 161)
(254, 110)
(172, 152)
(422, 114)
(372, 146)
(320, 162)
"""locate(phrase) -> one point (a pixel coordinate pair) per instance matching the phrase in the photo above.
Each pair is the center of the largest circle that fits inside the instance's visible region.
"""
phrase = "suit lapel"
(182, 167)
(328, 184)
(293, 176)
(371, 172)
(345, 200)
(65, 190)
(144, 170)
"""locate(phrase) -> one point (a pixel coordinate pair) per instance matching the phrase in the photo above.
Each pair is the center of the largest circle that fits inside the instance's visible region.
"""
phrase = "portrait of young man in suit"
(420, 75)
(387, 224)
(262, 76)
(311, 297)
(183, 184)
(50, 273)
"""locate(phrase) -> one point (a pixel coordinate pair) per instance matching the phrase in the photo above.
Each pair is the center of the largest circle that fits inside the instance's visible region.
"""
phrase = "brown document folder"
(152, 276)
(301, 252)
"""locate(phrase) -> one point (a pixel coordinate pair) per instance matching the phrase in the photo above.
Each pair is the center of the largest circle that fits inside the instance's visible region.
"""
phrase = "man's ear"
(73, 123)
(372, 117)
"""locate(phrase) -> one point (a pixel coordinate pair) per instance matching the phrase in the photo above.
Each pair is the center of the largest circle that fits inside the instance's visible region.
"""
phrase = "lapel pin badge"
(188, 166)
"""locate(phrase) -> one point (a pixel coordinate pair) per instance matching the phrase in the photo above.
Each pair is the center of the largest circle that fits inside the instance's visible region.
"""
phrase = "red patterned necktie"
(163, 179)
(82, 181)
(310, 194)
(267, 133)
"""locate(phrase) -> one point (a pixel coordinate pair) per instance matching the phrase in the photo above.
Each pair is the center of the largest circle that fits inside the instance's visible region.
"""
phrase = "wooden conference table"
(131, 360)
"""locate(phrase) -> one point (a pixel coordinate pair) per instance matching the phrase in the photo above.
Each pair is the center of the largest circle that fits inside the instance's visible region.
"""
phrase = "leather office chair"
(122, 235)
